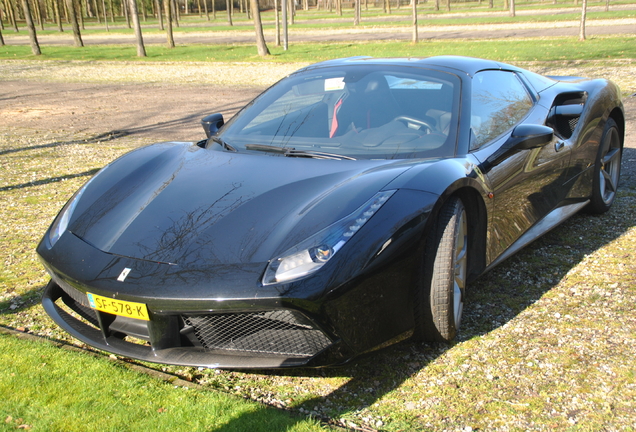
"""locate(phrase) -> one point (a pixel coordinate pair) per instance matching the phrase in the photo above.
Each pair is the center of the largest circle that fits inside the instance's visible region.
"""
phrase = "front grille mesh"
(283, 332)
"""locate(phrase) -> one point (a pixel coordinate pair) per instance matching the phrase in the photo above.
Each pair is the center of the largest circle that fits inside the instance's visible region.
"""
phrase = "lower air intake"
(282, 332)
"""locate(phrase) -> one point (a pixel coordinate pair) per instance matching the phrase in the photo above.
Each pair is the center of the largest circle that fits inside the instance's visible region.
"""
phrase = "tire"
(607, 168)
(441, 285)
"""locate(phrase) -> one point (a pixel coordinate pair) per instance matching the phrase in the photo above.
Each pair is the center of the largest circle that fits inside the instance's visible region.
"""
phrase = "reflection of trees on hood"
(111, 201)
(183, 238)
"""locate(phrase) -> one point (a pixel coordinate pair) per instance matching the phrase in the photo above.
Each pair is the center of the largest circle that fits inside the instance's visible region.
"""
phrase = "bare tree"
(168, 9)
(263, 51)
(277, 19)
(228, 6)
(356, 15)
(38, 14)
(35, 46)
(134, 11)
(105, 15)
(414, 9)
(77, 36)
(159, 14)
(58, 15)
(583, 16)
(11, 12)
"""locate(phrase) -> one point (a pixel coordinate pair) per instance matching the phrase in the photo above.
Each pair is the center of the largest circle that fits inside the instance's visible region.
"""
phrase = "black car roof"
(468, 65)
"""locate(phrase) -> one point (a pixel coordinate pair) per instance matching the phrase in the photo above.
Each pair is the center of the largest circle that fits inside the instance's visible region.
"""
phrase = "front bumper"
(257, 339)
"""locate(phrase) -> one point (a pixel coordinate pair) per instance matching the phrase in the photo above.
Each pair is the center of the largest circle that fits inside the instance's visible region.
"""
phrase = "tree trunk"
(512, 12)
(415, 34)
(38, 14)
(356, 14)
(229, 12)
(80, 14)
(277, 25)
(159, 14)
(96, 7)
(168, 11)
(134, 11)
(283, 6)
(77, 36)
(11, 12)
(175, 13)
(112, 11)
(35, 46)
(583, 16)
(105, 15)
(1, 39)
(143, 11)
(263, 51)
(58, 15)
(124, 6)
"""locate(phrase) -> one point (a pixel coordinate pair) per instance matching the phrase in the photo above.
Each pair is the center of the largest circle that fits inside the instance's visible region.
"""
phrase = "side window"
(499, 101)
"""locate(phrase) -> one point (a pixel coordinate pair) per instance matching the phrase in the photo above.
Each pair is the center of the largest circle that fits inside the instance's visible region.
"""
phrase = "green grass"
(59, 390)
(541, 49)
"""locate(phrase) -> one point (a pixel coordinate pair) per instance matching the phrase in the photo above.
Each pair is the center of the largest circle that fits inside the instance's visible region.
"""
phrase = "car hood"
(178, 203)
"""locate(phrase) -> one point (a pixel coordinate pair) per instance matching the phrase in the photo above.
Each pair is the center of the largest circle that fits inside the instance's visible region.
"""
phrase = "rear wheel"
(439, 296)
(607, 169)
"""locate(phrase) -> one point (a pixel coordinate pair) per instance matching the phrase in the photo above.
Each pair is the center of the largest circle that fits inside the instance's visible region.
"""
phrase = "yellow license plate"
(118, 307)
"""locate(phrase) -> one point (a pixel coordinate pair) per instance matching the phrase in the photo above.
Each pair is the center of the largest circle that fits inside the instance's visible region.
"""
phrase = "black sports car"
(344, 209)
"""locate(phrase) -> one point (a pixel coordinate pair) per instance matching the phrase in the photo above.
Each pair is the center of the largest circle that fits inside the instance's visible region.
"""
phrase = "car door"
(528, 184)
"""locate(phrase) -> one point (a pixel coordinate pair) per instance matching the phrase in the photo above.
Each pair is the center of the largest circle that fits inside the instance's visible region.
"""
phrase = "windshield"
(361, 112)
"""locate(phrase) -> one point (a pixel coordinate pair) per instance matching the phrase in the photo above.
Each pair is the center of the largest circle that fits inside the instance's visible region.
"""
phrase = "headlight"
(310, 255)
(60, 224)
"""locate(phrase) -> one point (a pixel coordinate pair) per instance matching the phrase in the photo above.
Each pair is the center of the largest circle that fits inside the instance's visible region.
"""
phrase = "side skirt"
(551, 220)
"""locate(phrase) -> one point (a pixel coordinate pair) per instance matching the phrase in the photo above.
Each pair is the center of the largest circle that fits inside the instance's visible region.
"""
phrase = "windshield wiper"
(223, 143)
(292, 152)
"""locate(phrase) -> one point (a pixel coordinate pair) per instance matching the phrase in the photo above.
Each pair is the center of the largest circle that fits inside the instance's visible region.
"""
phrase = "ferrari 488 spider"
(344, 209)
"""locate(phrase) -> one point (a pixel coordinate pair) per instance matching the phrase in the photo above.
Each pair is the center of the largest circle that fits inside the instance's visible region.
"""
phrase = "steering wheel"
(423, 124)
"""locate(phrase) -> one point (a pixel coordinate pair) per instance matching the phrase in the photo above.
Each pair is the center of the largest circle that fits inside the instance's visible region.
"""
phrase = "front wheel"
(440, 291)
(607, 168)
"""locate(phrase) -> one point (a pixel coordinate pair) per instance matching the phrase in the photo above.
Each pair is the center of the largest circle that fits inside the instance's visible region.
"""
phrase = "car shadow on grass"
(493, 300)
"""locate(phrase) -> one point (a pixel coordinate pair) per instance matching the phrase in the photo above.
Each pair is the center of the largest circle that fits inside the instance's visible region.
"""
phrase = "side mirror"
(529, 136)
(523, 137)
(212, 123)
